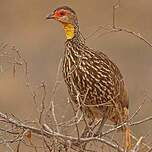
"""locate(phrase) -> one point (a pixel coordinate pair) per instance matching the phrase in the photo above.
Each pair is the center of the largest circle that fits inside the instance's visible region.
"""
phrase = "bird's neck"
(69, 31)
(72, 32)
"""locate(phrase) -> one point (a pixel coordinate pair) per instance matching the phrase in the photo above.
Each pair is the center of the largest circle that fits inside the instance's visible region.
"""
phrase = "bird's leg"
(99, 131)
(88, 120)
(87, 132)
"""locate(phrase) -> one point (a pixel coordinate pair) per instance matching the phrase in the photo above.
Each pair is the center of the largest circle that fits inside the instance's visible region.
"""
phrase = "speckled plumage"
(94, 80)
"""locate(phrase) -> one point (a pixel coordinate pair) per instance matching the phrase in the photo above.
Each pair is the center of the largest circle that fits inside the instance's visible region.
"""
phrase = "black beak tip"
(48, 17)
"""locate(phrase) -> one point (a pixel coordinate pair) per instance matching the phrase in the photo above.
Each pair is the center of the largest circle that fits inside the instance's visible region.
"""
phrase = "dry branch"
(49, 133)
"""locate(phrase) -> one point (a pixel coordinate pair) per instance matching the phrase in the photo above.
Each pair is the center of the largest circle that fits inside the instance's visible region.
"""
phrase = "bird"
(93, 80)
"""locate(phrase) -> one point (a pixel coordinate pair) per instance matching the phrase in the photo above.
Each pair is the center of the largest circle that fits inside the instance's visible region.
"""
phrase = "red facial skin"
(59, 14)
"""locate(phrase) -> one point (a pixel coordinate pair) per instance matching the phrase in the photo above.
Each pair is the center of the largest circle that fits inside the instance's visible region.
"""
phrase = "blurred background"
(23, 24)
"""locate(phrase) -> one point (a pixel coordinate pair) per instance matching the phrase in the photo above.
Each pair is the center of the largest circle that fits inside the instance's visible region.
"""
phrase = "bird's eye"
(62, 13)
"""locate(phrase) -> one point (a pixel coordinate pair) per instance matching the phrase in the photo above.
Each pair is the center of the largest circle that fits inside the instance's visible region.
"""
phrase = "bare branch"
(43, 86)
(49, 133)
(141, 121)
(136, 147)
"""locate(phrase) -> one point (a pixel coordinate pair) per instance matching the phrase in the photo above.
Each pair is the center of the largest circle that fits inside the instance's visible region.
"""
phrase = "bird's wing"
(124, 96)
(113, 66)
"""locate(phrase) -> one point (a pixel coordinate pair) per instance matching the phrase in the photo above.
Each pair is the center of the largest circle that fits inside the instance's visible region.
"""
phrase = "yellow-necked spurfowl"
(92, 79)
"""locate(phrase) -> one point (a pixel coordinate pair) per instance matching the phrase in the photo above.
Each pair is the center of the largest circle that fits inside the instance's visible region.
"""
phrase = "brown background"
(23, 24)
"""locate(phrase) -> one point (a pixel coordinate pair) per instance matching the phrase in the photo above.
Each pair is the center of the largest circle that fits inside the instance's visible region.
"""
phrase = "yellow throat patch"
(69, 30)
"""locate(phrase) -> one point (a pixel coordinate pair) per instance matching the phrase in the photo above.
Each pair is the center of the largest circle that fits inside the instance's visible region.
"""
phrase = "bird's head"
(67, 17)
(64, 15)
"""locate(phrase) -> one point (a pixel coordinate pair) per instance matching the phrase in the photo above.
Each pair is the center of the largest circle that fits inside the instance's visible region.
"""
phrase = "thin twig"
(137, 111)
(51, 107)
(43, 86)
(76, 119)
(136, 147)
(141, 121)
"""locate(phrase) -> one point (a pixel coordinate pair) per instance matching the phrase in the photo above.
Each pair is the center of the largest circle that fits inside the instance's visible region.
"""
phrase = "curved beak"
(50, 16)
